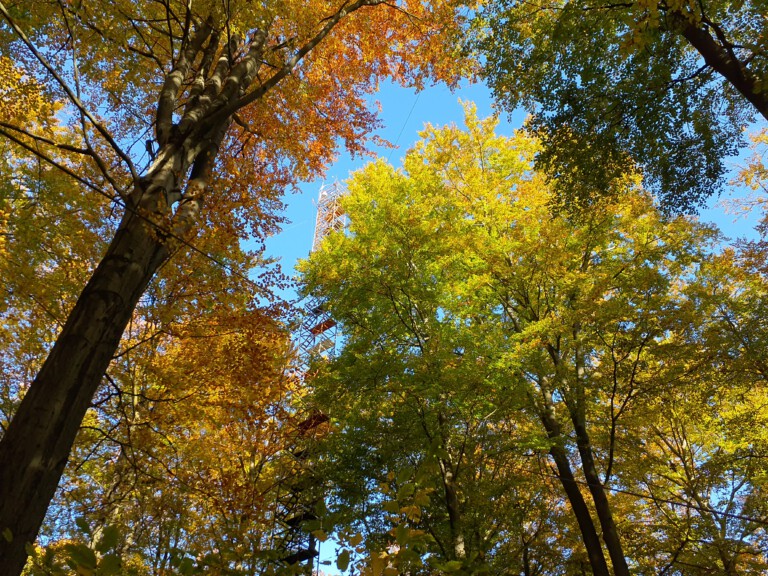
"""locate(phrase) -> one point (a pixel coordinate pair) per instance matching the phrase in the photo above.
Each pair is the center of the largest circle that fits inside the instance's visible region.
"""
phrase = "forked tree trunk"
(579, 506)
(600, 499)
(580, 509)
(36, 446)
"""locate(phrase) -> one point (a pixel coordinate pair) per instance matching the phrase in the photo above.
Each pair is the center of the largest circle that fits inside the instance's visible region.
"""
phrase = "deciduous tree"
(668, 84)
(461, 293)
(228, 103)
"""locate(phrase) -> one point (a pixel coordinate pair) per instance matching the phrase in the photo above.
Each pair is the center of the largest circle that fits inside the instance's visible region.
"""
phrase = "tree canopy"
(508, 350)
(518, 388)
(669, 85)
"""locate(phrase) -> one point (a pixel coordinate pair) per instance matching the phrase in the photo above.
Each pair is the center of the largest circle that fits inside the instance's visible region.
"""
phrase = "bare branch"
(173, 81)
(83, 124)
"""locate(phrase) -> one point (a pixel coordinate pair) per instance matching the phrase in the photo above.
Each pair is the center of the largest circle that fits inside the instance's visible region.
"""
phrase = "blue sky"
(404, 113)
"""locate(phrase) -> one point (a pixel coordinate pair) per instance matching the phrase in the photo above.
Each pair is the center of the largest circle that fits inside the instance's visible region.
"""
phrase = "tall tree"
(459, 291)
(670, 84)
(136, 467)
(229, 103)
(187, 453)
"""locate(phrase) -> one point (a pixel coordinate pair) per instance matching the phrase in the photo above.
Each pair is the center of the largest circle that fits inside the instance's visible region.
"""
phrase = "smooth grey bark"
(38, 440)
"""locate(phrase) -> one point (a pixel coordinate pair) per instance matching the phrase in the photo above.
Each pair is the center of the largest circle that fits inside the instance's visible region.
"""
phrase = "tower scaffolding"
(318, 335)
(330, 215)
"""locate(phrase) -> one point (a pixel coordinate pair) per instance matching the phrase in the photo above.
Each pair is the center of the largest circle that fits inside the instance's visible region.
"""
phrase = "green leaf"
(110, 564)
(82, 556)
(406, 491)
(452, 566)
(82, 525)
(8, 535)
(392, 506)
(311, 525)
(320, 508)
(402, 534)
(320, 535)
(186, 567)
(342, 562)
(421, 498)
(109, 539)
(176, 556)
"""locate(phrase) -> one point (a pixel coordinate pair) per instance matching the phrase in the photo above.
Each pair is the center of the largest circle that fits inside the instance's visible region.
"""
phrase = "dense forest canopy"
(568, 395)
(669, 85)
(543, 366)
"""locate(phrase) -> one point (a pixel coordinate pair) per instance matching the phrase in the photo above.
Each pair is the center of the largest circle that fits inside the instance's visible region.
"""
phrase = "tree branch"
(72, 96)
(56, 165)
(170, 90)
(288, 67)
(721, 60)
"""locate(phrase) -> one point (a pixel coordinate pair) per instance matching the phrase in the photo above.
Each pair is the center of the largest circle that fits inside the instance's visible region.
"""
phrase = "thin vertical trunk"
(600, 499)
(448, 473)
(36, 445)
(526, 560)
(580, 509)
(454, 514)
(577, 411)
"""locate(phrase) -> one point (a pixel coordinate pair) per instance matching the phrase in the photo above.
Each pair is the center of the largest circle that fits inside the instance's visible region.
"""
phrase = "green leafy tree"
(668, 84)
(485, 331)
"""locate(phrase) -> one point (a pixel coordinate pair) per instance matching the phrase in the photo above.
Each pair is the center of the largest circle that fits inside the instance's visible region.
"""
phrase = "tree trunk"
(526, 560)
(448, 474)
(722, 60)
(610, 532)
(575, 498)
(36, 446)
(454, 513)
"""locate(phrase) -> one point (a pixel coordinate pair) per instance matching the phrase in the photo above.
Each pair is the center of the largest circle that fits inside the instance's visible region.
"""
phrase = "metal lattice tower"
(330, 216)
(316, 337)
(319, 331)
